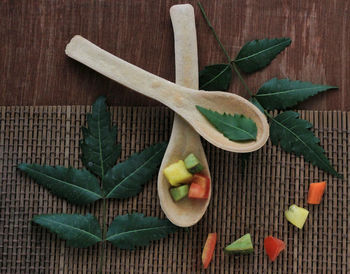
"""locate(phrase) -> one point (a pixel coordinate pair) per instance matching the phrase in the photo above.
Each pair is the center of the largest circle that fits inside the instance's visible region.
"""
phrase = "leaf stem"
(104, 229)
(213, 31)
(241, 79)
(232, 64)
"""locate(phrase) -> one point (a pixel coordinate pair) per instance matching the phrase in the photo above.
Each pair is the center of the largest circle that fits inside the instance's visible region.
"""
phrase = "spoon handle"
(185, 39)
(125, 73)
(186, 67)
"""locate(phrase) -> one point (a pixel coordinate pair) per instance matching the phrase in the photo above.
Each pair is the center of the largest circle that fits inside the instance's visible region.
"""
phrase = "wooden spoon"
(180, 99)
(184, 139)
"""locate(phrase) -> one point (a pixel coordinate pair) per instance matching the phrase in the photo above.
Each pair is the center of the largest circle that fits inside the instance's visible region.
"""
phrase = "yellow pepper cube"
(297, 215)
(177, 173)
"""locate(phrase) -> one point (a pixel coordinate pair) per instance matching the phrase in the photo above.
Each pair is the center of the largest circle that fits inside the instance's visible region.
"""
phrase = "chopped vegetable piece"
(316, 191)
(192, 164)
(177, 173)
(208, 249)
(273, 247)
(179, 192)
(196, 192)
(200, 187)
(243, 245)
(297, 215)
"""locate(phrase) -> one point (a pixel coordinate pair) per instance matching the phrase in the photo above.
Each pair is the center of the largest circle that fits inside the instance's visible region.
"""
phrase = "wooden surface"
(35, 71)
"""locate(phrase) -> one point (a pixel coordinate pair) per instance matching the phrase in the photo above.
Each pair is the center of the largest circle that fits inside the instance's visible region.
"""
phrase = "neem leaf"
(215, 77)
(131, 230)
(256, 103)
(127, 178)
(100, 151)
(257, 54)
(236, 127)
(294, 135)
(284, 93)
(77, 230)
(76, 186)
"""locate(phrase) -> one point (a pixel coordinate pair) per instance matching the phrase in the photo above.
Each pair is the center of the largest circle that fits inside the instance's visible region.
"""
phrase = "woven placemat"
(245, 199)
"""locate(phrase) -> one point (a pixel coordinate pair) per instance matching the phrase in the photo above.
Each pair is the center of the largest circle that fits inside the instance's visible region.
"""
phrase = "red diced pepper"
(208, 249)
(273, 247)
(200, 187)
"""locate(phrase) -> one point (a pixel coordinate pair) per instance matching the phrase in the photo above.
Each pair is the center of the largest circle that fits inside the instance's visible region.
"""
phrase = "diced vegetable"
(273, 247)
(179, 192)
(316, 191)
(177, 173)
(200, 187)
(208, 249)
(297, 215)
(192, 164)
(243, 245)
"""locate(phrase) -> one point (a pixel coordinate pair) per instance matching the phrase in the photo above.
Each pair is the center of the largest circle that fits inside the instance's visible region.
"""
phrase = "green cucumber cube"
(192, 164)
(180, 192)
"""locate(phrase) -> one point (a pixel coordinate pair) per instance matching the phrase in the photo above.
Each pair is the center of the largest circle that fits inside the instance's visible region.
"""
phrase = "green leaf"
(256, 103)
(294, 135)
(129, 231)
(215, 77)
(236, 127)
(257, 54)
(76, 186)
(284, 93)
(100, 151)
(127, 178)
(77, 230)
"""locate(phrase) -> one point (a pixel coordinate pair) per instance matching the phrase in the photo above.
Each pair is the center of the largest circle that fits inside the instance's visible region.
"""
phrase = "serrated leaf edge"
(250, 56)
(327, 163)
(216, 77)
(58, 180)
(131, 174)
(75, 228)
(227, 114)
(113, 237)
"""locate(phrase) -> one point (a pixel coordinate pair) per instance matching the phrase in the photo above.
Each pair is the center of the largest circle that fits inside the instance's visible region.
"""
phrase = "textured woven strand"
(245, 199)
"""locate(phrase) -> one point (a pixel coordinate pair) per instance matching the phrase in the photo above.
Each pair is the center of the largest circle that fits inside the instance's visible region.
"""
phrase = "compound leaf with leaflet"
(126, 179)
(256, 103)
(234, 127)
(294, 135)
(74, 185)
(284, 93)
(100, 151)
(215, 77)
(77, 230)
(257, 54)
(131, 230)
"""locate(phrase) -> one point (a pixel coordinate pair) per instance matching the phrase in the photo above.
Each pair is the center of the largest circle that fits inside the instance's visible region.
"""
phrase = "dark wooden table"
(35, 71)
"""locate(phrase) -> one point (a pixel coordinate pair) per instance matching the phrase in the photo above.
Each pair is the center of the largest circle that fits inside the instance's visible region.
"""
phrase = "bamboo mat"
(245, 199)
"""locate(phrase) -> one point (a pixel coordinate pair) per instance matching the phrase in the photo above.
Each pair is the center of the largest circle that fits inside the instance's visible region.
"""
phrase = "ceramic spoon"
(180, 99)
(184, 139)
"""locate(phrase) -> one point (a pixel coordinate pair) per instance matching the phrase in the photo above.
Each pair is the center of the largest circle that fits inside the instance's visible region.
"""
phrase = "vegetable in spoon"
(180, 173)
(200, 187)
(177, 173)
(178, 193)
(192, 164)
